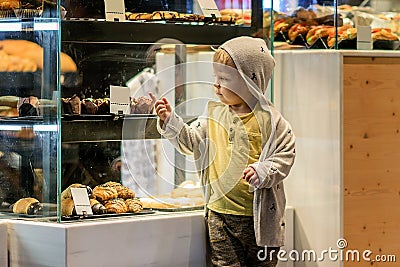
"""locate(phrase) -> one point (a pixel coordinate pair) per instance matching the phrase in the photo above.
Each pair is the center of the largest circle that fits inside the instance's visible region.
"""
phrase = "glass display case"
(343, 24)
(76, 112)
(29, 85)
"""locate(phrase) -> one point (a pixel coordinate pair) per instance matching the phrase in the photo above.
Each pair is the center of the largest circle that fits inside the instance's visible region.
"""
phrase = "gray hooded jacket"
(255, 65)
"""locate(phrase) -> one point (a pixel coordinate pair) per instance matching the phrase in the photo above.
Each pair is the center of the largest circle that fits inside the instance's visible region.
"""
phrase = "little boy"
(243, 149)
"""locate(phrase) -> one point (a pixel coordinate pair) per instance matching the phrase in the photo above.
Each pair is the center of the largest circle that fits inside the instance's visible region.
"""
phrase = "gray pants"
(233, 242)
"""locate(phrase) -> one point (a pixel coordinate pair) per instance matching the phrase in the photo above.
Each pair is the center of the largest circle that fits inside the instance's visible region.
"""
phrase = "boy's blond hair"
(222, 57)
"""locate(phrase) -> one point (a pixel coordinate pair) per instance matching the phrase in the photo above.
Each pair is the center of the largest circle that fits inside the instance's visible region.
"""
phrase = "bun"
(27, 205)
(68, 207)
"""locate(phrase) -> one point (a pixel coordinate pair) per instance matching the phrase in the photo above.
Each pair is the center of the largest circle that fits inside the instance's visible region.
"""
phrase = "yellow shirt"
(235, 142)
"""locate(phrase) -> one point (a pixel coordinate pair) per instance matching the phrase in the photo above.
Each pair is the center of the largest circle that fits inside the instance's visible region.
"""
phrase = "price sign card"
(208, 8)
(114, 10)
(81, 201)
(119, 99)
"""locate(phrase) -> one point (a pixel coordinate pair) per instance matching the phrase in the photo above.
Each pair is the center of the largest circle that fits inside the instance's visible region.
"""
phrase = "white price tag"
(119, 99)
(208, 8)
(114, 10)
(364, 38)
(81, 201)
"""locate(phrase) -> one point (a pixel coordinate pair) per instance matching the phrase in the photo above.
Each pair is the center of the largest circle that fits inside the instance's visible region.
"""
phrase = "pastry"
(383, 34)
(139, 16)
(34, 52)
(103, 193)
(116, 205)
(68, 207)
(97, 207)
(164, 15)
(123, 191)
(27, 205)
(89, 107)
(9, 4)
(134, 205)
(297, 29)
(104, 106)
(141, 105)
(75, 103)
(28, 106)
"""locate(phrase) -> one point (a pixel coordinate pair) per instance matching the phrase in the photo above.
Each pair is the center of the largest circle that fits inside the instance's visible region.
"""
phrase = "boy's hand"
(251, 176)
(163, 108)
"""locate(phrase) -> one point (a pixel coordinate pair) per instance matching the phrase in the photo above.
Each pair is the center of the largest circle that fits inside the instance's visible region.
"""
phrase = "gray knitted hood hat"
(252, 59)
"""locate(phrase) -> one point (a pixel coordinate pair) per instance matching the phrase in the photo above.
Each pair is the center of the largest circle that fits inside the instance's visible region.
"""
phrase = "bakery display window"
(76, 120)
(343, 24)
(29, 123)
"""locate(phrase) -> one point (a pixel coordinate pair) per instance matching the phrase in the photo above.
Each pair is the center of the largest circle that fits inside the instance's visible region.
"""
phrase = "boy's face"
(229, 86)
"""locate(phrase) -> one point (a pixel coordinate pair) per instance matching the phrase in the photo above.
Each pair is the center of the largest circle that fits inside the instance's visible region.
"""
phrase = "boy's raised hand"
(162, 106)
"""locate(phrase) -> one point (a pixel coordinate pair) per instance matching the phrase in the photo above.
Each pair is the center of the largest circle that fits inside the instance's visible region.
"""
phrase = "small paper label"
(81, 201)
(208, 8)
(119, 99)
(114, 10)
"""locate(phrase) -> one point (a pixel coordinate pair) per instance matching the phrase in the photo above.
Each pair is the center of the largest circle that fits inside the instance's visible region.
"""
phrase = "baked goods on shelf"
(29, 205)
(9, 4)
(383, 34)
(31, 54)
(75, 106)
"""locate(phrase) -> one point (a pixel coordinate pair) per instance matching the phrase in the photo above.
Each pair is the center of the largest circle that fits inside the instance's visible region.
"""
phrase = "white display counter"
(168, 239)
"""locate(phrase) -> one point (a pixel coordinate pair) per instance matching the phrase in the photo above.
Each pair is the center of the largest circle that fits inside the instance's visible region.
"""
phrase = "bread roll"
(32, 51)
(68, 207)
(27, 205)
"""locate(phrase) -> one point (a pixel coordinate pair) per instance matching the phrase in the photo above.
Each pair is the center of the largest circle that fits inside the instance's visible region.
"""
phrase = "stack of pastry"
(75, 106)
(117, 198)
(26, 56)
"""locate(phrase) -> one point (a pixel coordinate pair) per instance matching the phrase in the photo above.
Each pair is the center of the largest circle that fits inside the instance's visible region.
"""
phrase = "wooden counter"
(344, 107)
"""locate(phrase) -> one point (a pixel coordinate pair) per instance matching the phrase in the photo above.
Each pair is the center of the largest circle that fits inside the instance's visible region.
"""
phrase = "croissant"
(27, 205)
(116, 205)
(67, 207)
(103, 193)
(123, 191)
(134, 205)
(97, 207)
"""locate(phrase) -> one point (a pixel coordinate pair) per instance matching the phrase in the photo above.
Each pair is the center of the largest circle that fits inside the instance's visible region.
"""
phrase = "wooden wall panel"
(371, 156)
